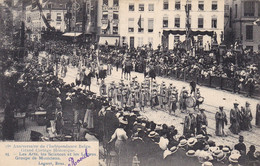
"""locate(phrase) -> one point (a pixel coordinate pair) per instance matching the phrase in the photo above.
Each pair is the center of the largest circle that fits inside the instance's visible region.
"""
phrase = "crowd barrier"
(223, 83)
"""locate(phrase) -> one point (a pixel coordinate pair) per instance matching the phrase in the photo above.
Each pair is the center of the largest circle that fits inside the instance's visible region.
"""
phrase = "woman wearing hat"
(120, 138)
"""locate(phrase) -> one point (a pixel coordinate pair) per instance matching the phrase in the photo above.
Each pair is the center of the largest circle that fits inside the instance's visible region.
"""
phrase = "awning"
(183, 32)
(111, 40)
(72, 34)
(104, 26)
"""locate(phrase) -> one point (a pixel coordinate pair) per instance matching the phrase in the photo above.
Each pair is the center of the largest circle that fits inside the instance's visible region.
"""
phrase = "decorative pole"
(187, 10)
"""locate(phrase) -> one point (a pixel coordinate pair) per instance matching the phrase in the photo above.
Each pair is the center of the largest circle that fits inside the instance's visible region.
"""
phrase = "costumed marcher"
(201, 120)
(142, 99)
(154, 98)
(221, 121)
(111, 91)
(235, 119)
(172, 103)
(192, 87)
(248, 117)
(183, 97)
(189, 125)
(103, 88)
(132, 99)
(124, 97)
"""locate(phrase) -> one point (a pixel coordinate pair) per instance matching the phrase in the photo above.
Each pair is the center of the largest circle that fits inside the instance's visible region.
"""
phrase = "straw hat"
(122, 121)
(221, 156)
(192, 141)
(207, 163)
(216, 152)
(233, 158)
(174, 149)
(190, 153)
(226, 150)
(152, 134)
(235, 152)
(200, 136)
(182, 143)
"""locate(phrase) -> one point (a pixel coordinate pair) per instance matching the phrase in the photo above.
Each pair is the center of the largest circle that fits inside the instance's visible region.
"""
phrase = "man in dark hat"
(240, 146)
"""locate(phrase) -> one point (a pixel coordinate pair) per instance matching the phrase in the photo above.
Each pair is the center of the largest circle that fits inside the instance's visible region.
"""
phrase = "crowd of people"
(114, 116)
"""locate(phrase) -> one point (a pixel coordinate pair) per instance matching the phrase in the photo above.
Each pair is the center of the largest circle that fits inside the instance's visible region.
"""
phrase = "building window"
(258, 9)
(141, 7)
(151, 7)
(200, 22)
(105, 2)
(116, 3)
(214, 5)
(249, 8)
(140, 41)
(165, 22)
(49, 6)
(58, 16)
(200, 40)
(131, 25)
(165, 4)
(141, 27)
(249, 48)
(131, 7)
(249, 32)
(235, 10)
(189, 5)
(150, 40)
(214, 23)
(48, 16)
(150, 25)
(201, 5)
(226, 10)
(115, 29)
(105, 15)
(177, 22)
(176, 39)
(177, 5)
(115, 15)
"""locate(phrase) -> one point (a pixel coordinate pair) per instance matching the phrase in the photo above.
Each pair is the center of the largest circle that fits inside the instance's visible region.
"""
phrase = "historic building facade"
(165, 22)
(54, 12)
(243, 18)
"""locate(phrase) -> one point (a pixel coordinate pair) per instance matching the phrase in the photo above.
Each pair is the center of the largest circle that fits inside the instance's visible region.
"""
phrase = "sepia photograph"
(139, 82)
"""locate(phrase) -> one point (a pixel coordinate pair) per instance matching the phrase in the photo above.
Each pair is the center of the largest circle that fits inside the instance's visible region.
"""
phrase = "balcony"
(106, 8)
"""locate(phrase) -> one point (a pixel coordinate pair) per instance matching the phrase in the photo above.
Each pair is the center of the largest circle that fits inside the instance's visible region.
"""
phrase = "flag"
(257, 22)
(139, 22)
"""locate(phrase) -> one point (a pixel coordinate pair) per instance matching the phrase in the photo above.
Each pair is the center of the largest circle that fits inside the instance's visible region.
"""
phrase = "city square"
(159, 82)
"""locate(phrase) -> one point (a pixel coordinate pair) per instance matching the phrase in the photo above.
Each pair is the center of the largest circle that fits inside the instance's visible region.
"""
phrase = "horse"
(126, 70)
(87, 79)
